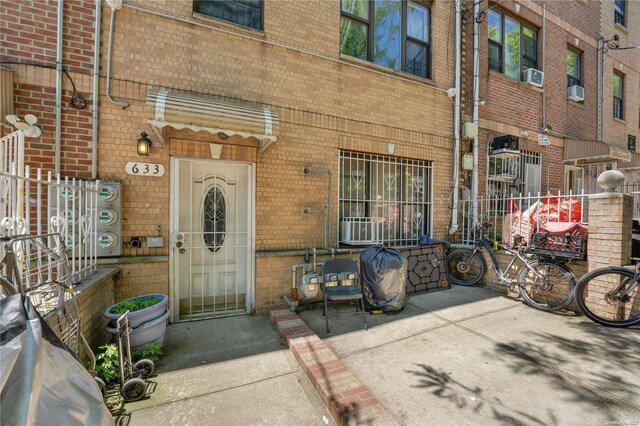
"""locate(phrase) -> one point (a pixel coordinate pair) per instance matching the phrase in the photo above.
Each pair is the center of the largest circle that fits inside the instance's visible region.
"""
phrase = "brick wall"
(512, 106)
(28, 36)
(92, 303)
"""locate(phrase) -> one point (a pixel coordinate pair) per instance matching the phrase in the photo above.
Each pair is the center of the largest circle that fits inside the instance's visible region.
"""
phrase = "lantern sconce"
(144, 144)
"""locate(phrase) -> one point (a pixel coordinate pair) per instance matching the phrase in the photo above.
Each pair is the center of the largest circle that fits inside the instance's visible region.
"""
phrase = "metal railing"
(33, 204)
(521, 215)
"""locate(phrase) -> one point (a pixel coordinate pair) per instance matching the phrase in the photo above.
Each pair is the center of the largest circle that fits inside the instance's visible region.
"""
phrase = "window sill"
(388, 71)
(522, 84)
(230, 26)
(576, 104)
(621, 28)
(619, 120)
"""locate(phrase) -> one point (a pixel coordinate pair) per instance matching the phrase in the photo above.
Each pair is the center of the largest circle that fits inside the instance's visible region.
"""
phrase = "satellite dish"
(12, 118)
(31, 119)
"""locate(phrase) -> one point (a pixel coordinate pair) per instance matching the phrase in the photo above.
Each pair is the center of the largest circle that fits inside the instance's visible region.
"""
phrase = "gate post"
(610, 222)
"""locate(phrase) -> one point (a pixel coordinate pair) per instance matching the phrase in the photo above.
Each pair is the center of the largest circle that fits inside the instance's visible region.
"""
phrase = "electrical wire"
(77, 100)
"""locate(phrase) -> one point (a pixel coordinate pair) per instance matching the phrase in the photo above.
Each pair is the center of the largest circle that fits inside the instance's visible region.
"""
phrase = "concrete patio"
(458, 356)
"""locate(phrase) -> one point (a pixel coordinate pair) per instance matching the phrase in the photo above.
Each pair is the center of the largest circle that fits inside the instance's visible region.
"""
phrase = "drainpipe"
(604, 86)
(115, 5)
(456, 123)
(544, 56)
(58, 108)
(599, 92)
(308, 170)
(476, 105)
(96, 83)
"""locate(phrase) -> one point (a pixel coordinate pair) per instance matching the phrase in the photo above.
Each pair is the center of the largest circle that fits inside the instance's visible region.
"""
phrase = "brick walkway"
(348, 400)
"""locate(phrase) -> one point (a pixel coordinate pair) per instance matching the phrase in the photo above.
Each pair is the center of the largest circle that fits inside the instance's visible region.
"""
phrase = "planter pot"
(137, 318)
(151, 331)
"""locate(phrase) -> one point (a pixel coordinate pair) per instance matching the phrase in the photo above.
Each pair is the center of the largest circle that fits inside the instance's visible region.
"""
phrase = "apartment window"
(620, 7)
(574, 67)
(384, 200)
(247, 13)
(618, 95)
(391, 33)
(513, 46)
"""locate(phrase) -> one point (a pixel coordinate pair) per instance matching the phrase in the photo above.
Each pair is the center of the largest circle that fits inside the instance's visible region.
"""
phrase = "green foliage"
(153, 352)
(107, 364)
(134, 305)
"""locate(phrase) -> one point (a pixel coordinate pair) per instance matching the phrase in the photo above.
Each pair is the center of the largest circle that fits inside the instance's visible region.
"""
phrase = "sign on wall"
(144, 169)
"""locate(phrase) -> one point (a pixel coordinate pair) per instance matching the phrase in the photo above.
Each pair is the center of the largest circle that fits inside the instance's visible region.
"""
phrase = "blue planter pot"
(137, 318)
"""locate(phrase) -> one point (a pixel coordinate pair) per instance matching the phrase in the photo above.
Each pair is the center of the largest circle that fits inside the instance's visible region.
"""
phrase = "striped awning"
(590, 151)
(205, 113)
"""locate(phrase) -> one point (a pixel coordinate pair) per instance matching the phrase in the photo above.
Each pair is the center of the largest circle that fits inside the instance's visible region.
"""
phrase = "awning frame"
(593, 152)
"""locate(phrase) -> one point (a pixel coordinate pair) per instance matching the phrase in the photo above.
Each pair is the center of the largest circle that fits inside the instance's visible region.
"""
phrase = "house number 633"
(144, 169)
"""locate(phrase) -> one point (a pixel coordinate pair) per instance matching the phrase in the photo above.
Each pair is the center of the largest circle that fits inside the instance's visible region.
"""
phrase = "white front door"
(212, 244)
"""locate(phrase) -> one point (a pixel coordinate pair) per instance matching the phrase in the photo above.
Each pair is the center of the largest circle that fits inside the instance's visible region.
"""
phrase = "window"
(513, 47)
(574, 67)
(214, 216)
(383, 199)
(391, 33)
(618, 95)
(620, 7)
(247, 13)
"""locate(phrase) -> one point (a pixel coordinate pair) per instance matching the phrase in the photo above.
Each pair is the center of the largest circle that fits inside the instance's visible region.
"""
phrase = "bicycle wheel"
(465, 267)
(600, 295)
(551, 292)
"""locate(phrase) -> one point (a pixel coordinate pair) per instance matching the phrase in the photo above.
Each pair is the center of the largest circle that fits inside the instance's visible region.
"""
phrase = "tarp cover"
(41, 383)
(382, 274)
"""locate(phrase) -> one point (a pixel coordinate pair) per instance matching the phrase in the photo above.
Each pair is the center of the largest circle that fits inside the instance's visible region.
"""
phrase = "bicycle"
(610, 296)
(544, 283)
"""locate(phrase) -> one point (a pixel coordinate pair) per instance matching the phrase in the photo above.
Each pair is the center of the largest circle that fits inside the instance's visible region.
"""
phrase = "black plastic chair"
(339, 271)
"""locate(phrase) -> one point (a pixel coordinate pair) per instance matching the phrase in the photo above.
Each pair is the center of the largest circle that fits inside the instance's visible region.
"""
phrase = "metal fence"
(31, 203)
(520, 215)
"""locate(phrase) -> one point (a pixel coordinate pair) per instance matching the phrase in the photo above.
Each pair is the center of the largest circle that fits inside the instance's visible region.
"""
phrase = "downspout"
(476, 105)
(115, 5)
(544, 56)
(599, 91)
(96, 83)
(58, 107)
(456, 122)
(603, 86)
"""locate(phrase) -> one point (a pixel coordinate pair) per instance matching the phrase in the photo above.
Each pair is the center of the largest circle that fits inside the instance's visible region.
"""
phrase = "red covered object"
(564, 228)
(554, 209)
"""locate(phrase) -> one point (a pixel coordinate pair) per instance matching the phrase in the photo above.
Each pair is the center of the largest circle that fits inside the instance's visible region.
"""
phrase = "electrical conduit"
(96, 83)
(456, 122)
(115, 5)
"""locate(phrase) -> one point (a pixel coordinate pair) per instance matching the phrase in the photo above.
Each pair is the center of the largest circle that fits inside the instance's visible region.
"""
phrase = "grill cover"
(382, 275)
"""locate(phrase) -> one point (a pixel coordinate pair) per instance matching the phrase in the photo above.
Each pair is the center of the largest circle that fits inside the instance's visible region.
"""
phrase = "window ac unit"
(359, 231)
(576, 93)
(534, 77)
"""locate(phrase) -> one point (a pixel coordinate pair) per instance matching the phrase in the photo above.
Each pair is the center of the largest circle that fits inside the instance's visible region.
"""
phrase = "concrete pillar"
(610, 222)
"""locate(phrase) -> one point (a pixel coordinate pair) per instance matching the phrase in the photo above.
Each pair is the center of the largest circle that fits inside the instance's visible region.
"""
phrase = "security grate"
(384, 200)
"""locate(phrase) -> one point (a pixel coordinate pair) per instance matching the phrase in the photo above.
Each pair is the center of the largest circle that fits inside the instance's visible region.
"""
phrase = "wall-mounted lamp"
(391, 148)
(547, 128)
(144, 144)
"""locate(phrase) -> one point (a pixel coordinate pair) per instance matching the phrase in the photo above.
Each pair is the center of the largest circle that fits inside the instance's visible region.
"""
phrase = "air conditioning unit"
(359, 231)
(576, 93)
(534, 77)
(505, 146)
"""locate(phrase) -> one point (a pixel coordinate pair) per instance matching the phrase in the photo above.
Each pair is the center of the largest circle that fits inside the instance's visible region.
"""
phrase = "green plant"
(107, 364)
(153, 352)
(134, 305)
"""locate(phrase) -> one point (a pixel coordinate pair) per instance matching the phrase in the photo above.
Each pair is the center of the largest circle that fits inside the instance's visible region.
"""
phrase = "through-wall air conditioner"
(576, 93)
(534, 77)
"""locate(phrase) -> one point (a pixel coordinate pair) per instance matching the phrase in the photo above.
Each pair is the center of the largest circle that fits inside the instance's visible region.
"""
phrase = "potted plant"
(141, 309)
(147, 319)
